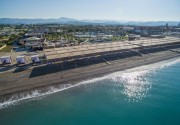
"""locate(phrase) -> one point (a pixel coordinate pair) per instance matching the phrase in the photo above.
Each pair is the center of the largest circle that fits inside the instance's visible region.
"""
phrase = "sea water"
(147, 95)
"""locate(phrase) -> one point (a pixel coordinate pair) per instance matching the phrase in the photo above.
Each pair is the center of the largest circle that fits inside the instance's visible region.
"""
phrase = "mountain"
(64, 20)
(34, 21)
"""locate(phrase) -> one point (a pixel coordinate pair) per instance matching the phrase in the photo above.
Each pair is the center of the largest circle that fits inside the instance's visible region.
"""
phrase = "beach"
(42, 77)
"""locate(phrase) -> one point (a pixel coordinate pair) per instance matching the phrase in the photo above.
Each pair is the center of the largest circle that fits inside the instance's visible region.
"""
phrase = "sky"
(118, 10)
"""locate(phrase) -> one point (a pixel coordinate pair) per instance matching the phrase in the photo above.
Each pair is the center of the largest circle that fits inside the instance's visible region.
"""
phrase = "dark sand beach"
(72, 72)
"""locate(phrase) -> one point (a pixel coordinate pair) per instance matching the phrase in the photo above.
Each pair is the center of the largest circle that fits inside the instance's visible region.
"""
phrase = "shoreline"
(73, 76)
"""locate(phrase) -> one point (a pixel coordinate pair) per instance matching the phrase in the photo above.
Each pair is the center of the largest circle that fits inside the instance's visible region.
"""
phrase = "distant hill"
(64, 20)
(154, 23)
(34, 21)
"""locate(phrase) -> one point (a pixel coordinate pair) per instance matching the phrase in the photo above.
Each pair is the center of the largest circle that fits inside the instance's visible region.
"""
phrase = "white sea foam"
(133, 80)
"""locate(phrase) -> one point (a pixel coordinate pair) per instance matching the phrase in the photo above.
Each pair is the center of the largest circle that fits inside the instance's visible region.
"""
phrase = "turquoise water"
(148, 95)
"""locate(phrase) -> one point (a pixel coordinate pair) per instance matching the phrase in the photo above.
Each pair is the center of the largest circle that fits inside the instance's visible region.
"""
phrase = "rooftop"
(33, 39)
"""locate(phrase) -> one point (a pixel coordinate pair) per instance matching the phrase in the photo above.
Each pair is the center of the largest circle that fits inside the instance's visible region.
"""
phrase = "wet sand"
(75, 71)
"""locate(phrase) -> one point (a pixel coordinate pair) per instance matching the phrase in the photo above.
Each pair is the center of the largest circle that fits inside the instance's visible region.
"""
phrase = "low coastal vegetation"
(8, 40)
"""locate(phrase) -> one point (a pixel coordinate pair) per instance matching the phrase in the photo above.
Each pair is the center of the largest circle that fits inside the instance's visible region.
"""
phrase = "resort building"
(32, 43)
(133, 37)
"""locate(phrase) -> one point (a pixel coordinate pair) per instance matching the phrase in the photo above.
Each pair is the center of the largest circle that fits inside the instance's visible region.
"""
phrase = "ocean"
(146, 95)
